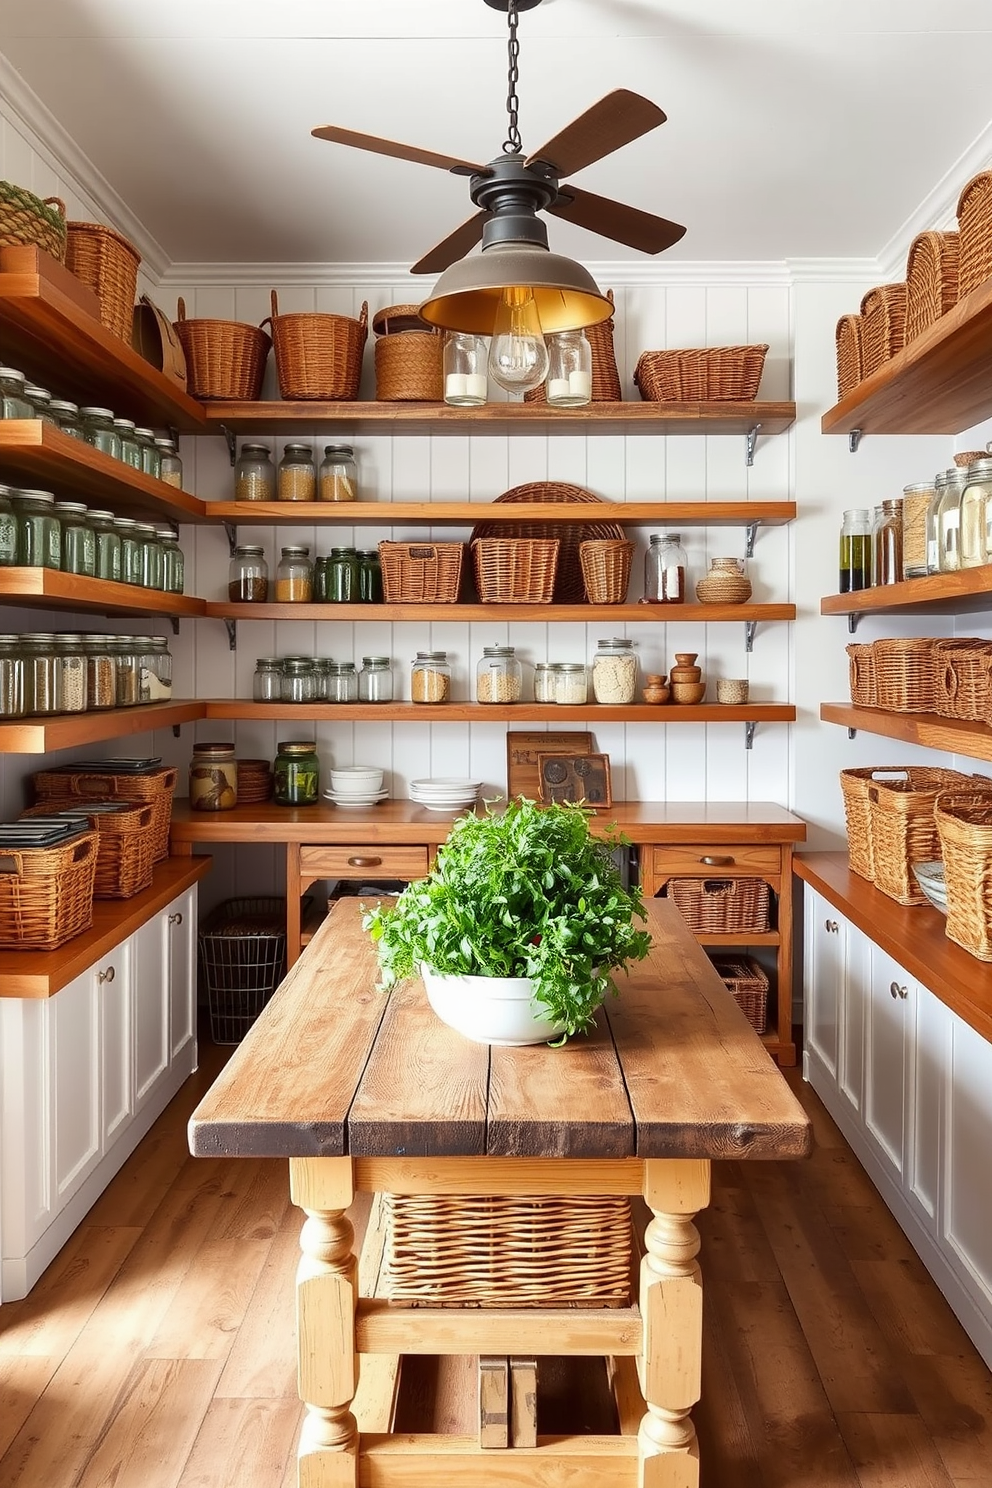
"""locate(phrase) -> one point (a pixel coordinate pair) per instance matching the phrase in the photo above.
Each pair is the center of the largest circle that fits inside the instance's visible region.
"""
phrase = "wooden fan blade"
(453, 247)
(613, 219)
(615, 120)
(391, 147)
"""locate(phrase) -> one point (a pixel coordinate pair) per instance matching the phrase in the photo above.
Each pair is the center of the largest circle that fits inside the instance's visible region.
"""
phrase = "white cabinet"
(826, 945)
(890, 1004)
(150, 946)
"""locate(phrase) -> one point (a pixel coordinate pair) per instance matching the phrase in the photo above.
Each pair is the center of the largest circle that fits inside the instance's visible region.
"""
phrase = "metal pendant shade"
(468, 294)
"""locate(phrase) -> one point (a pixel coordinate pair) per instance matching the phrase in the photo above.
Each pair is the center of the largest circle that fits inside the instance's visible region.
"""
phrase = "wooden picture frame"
(523, 749)
(575, 777)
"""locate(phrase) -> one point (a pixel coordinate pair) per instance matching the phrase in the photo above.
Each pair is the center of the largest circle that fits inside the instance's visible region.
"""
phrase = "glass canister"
(342, 576)
(213, 777)
(375, 680)
(545, 681)
(499, 675)
(342, 682)
(170, 465)
(298, 680)
(66, 415)
(39, 532)
(430, 677)
(338, 480)
(13, 403)
(297, 773)
(571, 684)
(976, 514)
(294, 576)
(614, 671)
(130, 448)
(949, 486)
(101, 671)
(151, 459)
(173, 562)
(78, 539)
(42, 675)
(127, 529)
(150, 551)
(466, 361)
(128, 658)
(8, 529)
(248, 576)
(321, 670)
(855, 568)
(99, 431)
(70, 659)
(297, 476)
(888, 543)
(40, 400)
(108, 545)
(569, 381)
(155, 675)
(369, 576)
(266, 684)
(11, 677)
(254, 474)
(915, 502)
(665, 569)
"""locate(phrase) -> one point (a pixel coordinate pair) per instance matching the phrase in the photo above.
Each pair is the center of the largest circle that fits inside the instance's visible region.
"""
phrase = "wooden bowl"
(688, 692)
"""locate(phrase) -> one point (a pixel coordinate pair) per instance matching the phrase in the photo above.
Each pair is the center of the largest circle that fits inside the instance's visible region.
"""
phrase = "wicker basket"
(515, 570)
(903, 831)
(861, 668)
(855, 785)
(848, 341)
(508, 1250)
(931, 279)
(124, 863)
(883, 326)
(702, 374)
(961, 678)
(36, 220)
(606, 565)
(975, 225)
(225, 359)
(156, 787)
(717, 906)
(963, 819)
(904, 674)
(569, 584)
(605, 377)
(748, 986)
(409, 357)
(46, 894)
(318, 356)
(421, 573)
(108, 263)
(724, 583)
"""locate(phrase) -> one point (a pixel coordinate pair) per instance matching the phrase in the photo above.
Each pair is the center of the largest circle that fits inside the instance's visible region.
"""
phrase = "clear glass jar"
(298, 680)
(40, 400)
(614, 672)
(130, 448)
(342, 682)
(151, 459)
(99, 431)
(665, 569)
(71, 662)
(248, 576)
(11, 677)
(155, 669)
(341, 581)
(213, 777)
(338, 480)
(297, 773)
(152, 567)
(66, 415)
(254, 474)
(888, 543)
(127, 655)
(108, 545)
(297, 477)
(101, 671)
(127, 529)
(545, 681)
(876, 522)
(266, 684)
(430, 677)
(78, 539)
(466, 362)
(13, 403)
(855, 566)
(976, 514)
(375, 680)
(173, 562)
(321, 670)
(499, 675)
(569, 382)
(950, 486)
(8, 529)
(39, 532)
(369, 576)
(294, 576)
(170, 465)
(42, 675)
(915, 503)
(571, 684)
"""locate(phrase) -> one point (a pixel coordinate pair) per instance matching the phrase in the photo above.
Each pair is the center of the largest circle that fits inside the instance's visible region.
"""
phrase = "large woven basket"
(318, 356)
(855, 784)
(963, 820)
(605, 377)
(569, 584)
(700, 374)
(409, 357)
(155, 786)
(26, 218)
(515, 570)
(975, 226)
(46, 894)
(931, 279)
(903, 831)
(124, 862)
(961, 678)
(108, 263)
(421, 573)
(861, 667)
(225, 359)
(747, 984)
(883, 326)
(847, 337)
(717, 906)
(904, 673)
(606, 563)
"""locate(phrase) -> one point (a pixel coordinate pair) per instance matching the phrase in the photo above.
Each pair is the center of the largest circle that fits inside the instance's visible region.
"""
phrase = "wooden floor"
(158, 1349)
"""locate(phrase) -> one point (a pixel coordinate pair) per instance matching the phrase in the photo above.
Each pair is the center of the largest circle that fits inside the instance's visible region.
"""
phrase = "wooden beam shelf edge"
(929, 730)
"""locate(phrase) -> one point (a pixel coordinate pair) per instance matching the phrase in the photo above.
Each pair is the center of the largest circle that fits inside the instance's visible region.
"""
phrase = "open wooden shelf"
(938, 384)
(926, 729)
(40, 735)
(51, 589)
(468, 513)
(454, 613)
(964, 593)
(235, 708)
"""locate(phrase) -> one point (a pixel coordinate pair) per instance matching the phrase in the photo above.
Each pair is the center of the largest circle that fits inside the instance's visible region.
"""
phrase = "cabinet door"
(113, 982)
(966, 1207)
(180, 919)
(826, 941)
(890, 1014)
(929, 1056)
(150, 1005)
(75, 1066)
(857, 981)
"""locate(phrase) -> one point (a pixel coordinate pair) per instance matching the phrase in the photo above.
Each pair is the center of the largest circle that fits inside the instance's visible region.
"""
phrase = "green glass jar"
(66, 415)
(151, 457)
(78, 539)
(8, 529)
(11, 677)
(130, 448)
(151, 556)
(99, 431)
(108, 545)
(40, 400)
(297, 773)
(39, 533)
(13, 403)
(342, 576)
(369, 577)
(127, 527)
(42, 676)
(173, 563)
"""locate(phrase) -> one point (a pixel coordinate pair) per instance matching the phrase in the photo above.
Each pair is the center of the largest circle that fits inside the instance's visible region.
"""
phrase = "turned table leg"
(326, 1287)
(671, 1302)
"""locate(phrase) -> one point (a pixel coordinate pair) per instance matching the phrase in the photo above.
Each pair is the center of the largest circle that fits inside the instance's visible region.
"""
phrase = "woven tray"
(848, 342)
(975, 225)
(605, 377)
(700, 374)
(46, 894)
(154, 786)
(569, 587)
(855, 784)
(26, 218)
(883, 325)
(961, 678)
(931, 279)
(124, 862)
(225, 359)
(421, 573)
(318, 356)
(963, 819)
(716, 906)
(108, 263)
(904, 673)
(747, 984)
(861, 670)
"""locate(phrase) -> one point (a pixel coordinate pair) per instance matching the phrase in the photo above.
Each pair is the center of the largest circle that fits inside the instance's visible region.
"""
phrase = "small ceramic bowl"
(688, 692)
(356, 780)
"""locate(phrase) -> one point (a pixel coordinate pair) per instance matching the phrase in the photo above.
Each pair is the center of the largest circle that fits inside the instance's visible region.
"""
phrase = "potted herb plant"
(517, 927)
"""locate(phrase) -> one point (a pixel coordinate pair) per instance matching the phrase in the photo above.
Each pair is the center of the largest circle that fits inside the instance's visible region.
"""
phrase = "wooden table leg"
(294, 889)
(326, 1288)
(672, 1311)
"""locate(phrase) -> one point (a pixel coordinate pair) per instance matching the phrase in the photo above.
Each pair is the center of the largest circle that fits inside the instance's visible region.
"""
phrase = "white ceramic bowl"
(488, 1010)
(930, 877)
(356, 780)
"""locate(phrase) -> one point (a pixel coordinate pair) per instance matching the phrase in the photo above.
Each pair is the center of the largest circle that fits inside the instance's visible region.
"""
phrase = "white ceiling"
(796, 128)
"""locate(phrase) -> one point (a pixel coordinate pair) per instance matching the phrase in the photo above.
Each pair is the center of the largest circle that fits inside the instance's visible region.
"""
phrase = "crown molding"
(938, 209)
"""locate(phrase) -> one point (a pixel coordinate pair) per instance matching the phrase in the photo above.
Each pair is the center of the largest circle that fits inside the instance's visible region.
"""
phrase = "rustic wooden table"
(364, 1092)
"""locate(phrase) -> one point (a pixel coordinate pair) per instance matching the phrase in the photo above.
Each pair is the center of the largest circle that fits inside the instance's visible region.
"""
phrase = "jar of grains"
(915, 502)
(254, 474)
(267, 682)
(294, 576)
(99, 431)
(338, 474)
(11, 677)
(71, 663)
(614, 671)
(170, 465)
(297, 773)
(213, 777)
(125, 650)
(248, 576)
(101, 671)
(297, 479)
(545, 681)
(499, 675)
(342, 682)
(8, 530)
(375, 680)
(571, 685)
(430, 678)
(298, 680)
(976, 514)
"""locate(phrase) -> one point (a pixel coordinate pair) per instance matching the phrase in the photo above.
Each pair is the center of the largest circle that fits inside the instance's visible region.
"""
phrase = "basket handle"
(82, 850)
(718, 887)
(363, 317)
(181, 308)
(105, 785)
(950, 681)
(14, 858)
(274, 302)
(57, 203)
(145, 819)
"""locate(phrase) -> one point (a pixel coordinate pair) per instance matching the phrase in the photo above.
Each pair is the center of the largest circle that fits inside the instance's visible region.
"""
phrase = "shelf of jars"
(456, 712)
(467, 513)
(50, 588)
(68, 731)
(929, 730)
(969, 591)
(702, 614)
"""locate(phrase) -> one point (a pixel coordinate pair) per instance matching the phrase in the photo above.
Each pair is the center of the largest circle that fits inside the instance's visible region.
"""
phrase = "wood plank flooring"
(158, 1352)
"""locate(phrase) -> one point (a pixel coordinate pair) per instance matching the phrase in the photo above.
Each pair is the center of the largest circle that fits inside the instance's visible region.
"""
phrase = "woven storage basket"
(721, 905)
(224, 358)
(46, 894)
(700, 374)
(748, 986)
(155, 786)
(931, 279)
(861, 668)
(848, 341)
(903, 832)
(569, 585)
(26, 218)
(975, 226)
(963, 820)
(904, 674)
(421, 573)
(515, 570)
(961, 678)
(855, 784)
(724, 583)
(108, 263)
(508, 1251)
(883, 326)
(605, 377)
(606, 569)
(124, 862)
(318, 356)
(409, 357)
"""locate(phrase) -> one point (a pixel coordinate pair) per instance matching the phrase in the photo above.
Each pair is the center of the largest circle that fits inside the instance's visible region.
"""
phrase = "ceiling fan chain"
(512, 145)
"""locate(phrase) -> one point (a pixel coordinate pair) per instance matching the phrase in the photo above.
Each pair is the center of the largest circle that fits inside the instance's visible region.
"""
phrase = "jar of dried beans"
(297, 474)
(499, 675)
(294, 576)
(248, 576)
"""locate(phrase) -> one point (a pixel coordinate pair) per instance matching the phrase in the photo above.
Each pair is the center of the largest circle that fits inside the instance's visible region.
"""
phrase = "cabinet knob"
(364, 862)
(176, 919)
(830, 926)
(106, 976)
(714, 862)
(903, 992)
(896, 991)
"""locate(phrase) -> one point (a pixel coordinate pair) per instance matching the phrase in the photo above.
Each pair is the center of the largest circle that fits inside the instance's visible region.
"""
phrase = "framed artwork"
(575, 777)
(524, 748)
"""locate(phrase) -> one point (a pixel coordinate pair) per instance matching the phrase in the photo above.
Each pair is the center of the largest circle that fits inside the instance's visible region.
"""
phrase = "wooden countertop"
(333, 1067)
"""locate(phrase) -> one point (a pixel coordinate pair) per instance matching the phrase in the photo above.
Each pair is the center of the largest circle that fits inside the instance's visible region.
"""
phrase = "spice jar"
(8, 529)
(213, 777)
(99, 431)
(170, 465)
(42, 675)
(298, 680)
(297, 773)
(297, 478)
(66, 415)
(569, 381)
(173, 562)
(369, 576)
(466, 359)
(915, 502)
(11, 677)
(855, 568)
(341, 580)
(545, 679)
(101, 671)
(947, 515)
(108, 545)
(266, 684)
(70, 661)
(294, 576)
(665, 569)
(430, 677)
(13, 403)
(338, 474)
(248, 576)
(130, 448)
(499, 675)
(342, 682)
(888, 543)
(254, 474)
(614, 671)
(151, 458)
(976, 514)
(39, 532)
(571, 684)
(375, 680)
(127, 529)
(78, 539)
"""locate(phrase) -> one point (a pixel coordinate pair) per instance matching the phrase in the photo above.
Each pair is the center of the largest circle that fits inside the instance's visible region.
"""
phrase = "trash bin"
(243, 960)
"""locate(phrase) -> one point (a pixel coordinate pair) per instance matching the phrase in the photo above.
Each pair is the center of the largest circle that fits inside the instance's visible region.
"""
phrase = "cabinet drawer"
(711, 860)
(369, 861)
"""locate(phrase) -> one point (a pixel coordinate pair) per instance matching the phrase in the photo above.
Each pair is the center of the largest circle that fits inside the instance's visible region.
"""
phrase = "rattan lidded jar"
(409, 357)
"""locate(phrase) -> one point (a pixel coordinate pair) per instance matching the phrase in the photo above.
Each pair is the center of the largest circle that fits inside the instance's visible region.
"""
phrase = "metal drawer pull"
(712, 862)
(176, 919)
(830, 926)
(364, 862)
(106, 976)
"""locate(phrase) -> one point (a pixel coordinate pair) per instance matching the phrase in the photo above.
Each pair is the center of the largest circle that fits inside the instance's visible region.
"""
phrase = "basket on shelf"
(156, 786)
(855, 783)
(606, 565)
(961, 678)
(225, 359)
(515, 570)
(409, 357)
(124, 862)
(717, 906)
(108, 263)
(154, 337)
(904, 673)
(848, 342)
(318, 355)
(46, 893)
(747, 984)
(883, 326)
(724, 583)
(569, 585)
(421, 573)
(931, 279)
(903, 831)
(605, 377)
(975, 227)
(26, 218)
(701, 374)
(861, 670)
(963, 819)
(243, 957)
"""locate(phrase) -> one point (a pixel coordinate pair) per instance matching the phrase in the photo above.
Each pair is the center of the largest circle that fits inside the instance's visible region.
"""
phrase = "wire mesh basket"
(243, 960)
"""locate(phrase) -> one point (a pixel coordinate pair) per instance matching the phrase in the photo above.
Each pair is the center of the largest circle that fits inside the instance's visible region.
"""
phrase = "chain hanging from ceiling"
(512, 145)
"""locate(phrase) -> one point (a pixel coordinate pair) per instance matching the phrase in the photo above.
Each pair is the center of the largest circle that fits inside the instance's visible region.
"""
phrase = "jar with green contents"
(39, 533)
(151, 556)
(342, 576)
(40, 400)
(369, 577)
(151, 458)
(8, 529)
(66, 415)
(173, 562)
(108, 545)
(99, 431)
(11, 677)
(127, 528)
(170, 465)
(297, 773)
(78, 539)
(130, 448)
(13, 403)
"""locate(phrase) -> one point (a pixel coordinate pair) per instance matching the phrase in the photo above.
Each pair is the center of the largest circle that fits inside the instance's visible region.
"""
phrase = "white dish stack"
(356, 785)
(445, 793)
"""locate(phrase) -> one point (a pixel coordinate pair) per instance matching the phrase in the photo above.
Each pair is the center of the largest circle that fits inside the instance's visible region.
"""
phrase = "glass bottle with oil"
(855, 550)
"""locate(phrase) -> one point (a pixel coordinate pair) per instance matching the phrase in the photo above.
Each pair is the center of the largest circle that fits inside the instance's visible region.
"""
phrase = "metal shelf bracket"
(231, 626)
(176, 730)
(750, 626)
(852, 733)
(853, 621)
(232, 537)
(175, 624)
(752, 439)
(749, 729)
(853, 440)
(750, 533)
(232, 443)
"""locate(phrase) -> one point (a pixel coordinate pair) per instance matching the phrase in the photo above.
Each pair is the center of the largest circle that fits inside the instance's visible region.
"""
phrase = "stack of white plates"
(445, 793)
(350, 798)
(930, 877)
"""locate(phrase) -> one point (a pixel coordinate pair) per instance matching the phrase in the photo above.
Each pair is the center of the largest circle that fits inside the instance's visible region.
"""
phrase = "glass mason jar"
(130, 448)
(665, 569)
(342, 682)
(369, 576)
(8, 529)
(101, 671)
(71, 662)
(108, 545)
(11, 677)
(254, 474)
(40, 400)
(430, 677)
(170, 465)
(78, 539)
(571, 683)
(297, 773)
(950, 486)
(298, 680)
(248, 576)
(545, 681)
(342, 576)
(155, 669)
(13, 403)
(173, 562)
(976, 514)
(888, 543)
(39, 532)
(320, 579)
(466, 362)
(499, 675)
(375, 680)
(294, 576)
(614, 671)
(266, 684)
(126, 653)
(213, 777)
(151, 458)
(127, 529)
(321, 671)
(915, 502)
(297, 477)
(150, 550)
(66, 415)
(569, 381)
(42, 676)
(855, 567)
(338, 478)
(99, 431)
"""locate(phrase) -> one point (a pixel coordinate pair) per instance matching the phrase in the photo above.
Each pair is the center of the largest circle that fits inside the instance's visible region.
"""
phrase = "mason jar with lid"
(321, 671)
(499, 675)
(39, 532)
(108, 545)
(101, 671)
(99, 431)
(430, 677)
(155, 674)
(248, 575)
(8, 529)
(369, 576)
(151, 556)
(11, 677)
(375, 680)
(130, 448)
(950, 486)
(294, 576)
(338, 479)
(266, 684)
(40, 400)
(254, 474)
(71, 662)
(665, 569)
(297, 477)
(571, 683)
(976, 514)
(66, 415)
(341, 580)
(127, 529)
(173, 562)
(42, 676)
(545, 681)
(78, 539)
(298, 680)
(213, 777)
(614, 671)
(151, 459)
(170, 465)
(915, 502)
(127, 656)
(13, 403)
(296, 773)
(342, 682)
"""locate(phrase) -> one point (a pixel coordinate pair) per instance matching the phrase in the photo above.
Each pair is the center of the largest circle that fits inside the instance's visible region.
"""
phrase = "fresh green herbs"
(525, 891)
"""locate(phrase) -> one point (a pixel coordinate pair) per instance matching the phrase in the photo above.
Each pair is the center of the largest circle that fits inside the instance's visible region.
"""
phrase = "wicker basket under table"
(719, 906)
(963, 820)
(124, 862)
(156, 787)
(46, 893)
(747, 984)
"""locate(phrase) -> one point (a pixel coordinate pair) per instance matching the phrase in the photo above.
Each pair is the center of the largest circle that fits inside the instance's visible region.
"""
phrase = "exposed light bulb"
(518, 357)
